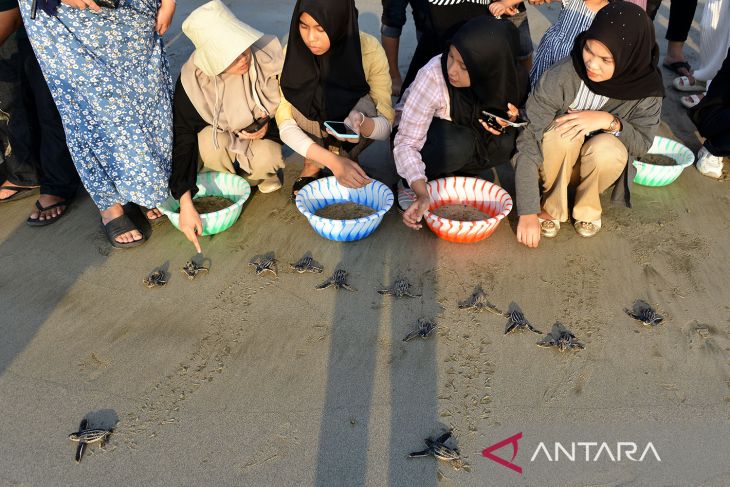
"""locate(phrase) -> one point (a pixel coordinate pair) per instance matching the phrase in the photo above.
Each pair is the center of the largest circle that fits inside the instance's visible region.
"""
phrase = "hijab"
(628, 33)
(487, 47)
(328, 86)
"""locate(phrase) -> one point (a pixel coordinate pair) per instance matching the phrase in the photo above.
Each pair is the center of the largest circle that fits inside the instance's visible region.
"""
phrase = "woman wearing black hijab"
(589, 115)
(334, 72)
(442, 128)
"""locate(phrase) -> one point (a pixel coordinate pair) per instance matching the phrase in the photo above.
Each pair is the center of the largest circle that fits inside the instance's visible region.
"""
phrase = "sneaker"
(708, 164)
(270, 185)
(549, 228)
(587, 229)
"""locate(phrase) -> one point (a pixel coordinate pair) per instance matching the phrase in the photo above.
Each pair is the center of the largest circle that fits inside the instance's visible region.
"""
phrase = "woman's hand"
(164, 16)
(581, 123)
(414, 213)
(512, 112)
(499, 9)
(82, 4)
(190, 223)
(259, 134)
(361, 124)
(528, 231)
(349, 173)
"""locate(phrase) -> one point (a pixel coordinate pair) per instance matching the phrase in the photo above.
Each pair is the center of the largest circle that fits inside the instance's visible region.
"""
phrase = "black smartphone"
(491, 120)
(256, 125)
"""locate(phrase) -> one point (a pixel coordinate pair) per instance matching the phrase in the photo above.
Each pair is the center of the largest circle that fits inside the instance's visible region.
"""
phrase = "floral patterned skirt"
(110, 79)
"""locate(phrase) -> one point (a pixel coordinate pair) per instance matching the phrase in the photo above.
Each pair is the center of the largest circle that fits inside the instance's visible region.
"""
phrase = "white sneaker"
(270, 185)
(708, 164)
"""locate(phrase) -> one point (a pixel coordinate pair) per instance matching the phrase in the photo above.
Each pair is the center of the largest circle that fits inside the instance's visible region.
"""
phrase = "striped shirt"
(426, 98)
(558, 40)
(587, 100)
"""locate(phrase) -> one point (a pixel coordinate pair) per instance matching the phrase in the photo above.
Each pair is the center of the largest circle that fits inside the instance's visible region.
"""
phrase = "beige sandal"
(587, 229)
(549, 228)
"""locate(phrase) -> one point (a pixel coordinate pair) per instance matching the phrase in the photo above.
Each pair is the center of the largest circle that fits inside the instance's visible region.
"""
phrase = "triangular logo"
(487, 452)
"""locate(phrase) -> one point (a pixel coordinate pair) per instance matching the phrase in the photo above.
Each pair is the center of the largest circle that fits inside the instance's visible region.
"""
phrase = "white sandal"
(587, 229)
(549, 228)
(691, 101)
(682, 83)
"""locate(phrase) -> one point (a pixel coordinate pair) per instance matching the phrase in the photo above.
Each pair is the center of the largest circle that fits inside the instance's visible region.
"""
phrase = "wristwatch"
(614, 127)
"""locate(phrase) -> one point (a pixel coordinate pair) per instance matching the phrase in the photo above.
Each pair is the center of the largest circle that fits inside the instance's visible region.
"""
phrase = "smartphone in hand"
(256, 125)
(341, 130)
(493, 120)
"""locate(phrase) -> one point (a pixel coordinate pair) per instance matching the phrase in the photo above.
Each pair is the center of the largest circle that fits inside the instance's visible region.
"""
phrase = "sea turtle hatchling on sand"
(265, 263)
(400, 288)
(478, 302)
(516, 321)
(191, 269)
(156, 278)
(441, 451)
(88, 436)
(338, 280)
(424, 328)
(306, 264)
(644, 313)
(561, 338)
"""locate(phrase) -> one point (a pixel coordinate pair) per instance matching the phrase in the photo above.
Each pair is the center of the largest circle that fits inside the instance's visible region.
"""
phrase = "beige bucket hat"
(219, 37)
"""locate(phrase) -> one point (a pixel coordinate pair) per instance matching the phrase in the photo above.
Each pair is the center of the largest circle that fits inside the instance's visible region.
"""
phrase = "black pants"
(39, 152)
(681, 13)
(712, 114)
(450, 149)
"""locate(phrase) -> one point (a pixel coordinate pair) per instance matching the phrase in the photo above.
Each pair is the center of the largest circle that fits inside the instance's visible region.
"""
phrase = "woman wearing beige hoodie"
(223, 109)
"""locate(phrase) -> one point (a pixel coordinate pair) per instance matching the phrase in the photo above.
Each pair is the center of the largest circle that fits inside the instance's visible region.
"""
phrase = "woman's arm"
(186, 123)
(421, 105)
(544, 104)
(638, 128)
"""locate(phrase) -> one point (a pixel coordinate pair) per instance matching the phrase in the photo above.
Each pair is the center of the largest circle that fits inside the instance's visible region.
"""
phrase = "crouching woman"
(224, 106)
(589, 116)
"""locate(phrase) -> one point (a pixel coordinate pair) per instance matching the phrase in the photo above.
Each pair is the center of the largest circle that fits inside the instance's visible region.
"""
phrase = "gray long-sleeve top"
(551, 98)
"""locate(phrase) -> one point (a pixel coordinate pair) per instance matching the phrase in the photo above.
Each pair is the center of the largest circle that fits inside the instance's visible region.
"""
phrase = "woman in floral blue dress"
(109, 77)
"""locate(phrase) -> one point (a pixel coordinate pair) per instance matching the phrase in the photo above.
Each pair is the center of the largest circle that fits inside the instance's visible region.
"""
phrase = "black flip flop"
(37, 222)
(124, 224)
(675, 68)
(301, 182)
(20, 193)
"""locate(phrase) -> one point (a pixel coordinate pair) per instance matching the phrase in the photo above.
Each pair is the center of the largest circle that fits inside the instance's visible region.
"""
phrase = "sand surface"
(234, 379)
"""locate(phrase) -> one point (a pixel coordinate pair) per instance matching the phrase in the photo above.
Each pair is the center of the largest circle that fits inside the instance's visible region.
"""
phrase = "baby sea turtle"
(424, 328)
(516, 321)
(644, 313)
(191, 269)
(88, 436)
(441, 451)
(155, 279)
(561, 338)
(338, 280)
(265, 263)
(478, 302)
(400, 288)
(306, 264)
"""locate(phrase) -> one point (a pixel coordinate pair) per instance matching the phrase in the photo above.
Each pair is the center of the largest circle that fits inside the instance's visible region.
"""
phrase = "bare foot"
(7, 193)
(153, 214)
(47, 200)
(309, 169)
(115, 212)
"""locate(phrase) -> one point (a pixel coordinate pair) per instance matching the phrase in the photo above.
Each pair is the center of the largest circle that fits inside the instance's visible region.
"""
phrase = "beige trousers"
(592, 165)
(265, 162)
